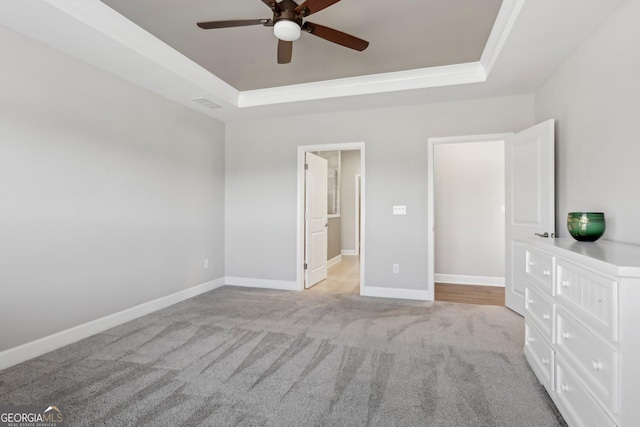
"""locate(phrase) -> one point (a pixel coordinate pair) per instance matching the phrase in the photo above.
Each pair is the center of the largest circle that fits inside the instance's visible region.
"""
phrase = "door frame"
(431, 143)
(357, 215)
(347, 146)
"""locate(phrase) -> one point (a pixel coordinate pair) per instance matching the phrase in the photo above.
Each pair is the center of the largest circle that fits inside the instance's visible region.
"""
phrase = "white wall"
(350, 168)
(110, 196)
(261, 182)
(595, 97)
(469, 189)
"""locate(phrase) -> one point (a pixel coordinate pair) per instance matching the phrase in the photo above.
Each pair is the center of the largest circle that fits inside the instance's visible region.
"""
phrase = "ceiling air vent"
(205, 102)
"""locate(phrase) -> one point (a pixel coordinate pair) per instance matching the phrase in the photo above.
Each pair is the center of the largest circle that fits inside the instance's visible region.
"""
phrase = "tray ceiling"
(403, 35)
(528, 41)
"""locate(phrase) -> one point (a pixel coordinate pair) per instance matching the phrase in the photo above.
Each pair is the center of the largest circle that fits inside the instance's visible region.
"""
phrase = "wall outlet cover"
(399, 210)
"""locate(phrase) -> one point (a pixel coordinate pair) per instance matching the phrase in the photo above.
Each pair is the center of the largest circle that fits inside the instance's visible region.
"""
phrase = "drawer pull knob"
(565, 335)
(530, 301)
(545, 361)
(597, 366)
(546, 273)
(564, 387)
(530, 339)
(565, 284)
(531, 263)
(546, 316)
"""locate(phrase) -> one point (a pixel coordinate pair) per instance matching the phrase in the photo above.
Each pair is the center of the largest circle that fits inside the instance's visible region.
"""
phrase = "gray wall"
(334, 243)
(469, 189)
(595, 98)
(110, 196)
(261, 182)
(350, 168)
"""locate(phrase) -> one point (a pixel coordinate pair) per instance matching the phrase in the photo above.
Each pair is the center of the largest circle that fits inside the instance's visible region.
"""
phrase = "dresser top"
(622, 259)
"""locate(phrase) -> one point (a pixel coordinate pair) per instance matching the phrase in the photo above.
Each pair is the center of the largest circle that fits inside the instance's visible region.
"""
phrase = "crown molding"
(92, 32)
(364, 85)
(449, 75)
(507, 16)
(110, 23)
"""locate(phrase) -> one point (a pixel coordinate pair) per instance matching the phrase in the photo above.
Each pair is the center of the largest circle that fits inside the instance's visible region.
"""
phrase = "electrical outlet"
(396, 268)
(206, 263)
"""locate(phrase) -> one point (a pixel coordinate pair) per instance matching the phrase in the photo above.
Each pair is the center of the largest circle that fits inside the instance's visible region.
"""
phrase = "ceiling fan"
(287, 23)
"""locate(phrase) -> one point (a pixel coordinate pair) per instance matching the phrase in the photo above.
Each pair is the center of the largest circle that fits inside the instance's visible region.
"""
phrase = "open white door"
(530, 200)
(315, 253)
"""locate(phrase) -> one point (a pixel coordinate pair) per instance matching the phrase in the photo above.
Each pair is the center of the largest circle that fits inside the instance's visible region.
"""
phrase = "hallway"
(342, 278)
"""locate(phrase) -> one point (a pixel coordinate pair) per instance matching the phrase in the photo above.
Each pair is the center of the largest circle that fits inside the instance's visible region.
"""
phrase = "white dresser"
(582, 328)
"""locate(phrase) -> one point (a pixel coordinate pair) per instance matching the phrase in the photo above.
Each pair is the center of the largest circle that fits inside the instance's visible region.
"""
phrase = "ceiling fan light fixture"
(286, 30)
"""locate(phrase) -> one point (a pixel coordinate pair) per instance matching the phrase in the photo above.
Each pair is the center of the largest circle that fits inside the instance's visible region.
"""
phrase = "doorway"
(529, 200)
(343, 262)
(464, 256)
(469, 205)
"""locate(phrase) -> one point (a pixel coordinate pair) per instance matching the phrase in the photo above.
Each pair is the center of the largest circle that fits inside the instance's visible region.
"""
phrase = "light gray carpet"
(252, 357)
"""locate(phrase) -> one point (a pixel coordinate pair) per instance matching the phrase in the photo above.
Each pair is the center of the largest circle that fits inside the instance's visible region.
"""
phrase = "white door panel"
(316, 219)
(530, 200)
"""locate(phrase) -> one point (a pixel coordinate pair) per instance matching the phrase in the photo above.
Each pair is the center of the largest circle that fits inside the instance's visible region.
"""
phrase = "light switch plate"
(399, 210)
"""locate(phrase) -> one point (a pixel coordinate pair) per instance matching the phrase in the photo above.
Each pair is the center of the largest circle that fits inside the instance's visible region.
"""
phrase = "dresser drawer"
(579, 406)
(539, 309)
(590, 297)
(539, 270)
(539, 354)
(592, 357)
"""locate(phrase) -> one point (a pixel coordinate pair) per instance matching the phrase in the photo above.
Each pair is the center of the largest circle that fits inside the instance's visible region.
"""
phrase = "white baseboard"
(414, 294)
(36, 348)
(350, 252)
(282, 285)
(457, 279)
(334, 261)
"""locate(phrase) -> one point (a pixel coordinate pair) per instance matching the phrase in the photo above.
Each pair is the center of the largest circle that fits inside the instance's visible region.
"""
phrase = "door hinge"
(305, 265)
(306, 166)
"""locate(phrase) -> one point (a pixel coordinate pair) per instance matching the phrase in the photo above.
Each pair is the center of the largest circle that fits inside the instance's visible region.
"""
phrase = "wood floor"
(470, 294)
(344, 278)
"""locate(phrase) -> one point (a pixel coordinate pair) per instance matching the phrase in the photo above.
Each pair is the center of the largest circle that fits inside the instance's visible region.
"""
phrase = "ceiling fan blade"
(273, 5)
(233, 23)
(335, 36)
(285, 50)
(310, 7)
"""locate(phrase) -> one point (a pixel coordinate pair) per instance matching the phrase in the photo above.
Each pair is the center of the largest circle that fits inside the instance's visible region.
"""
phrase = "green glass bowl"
(586, 226)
